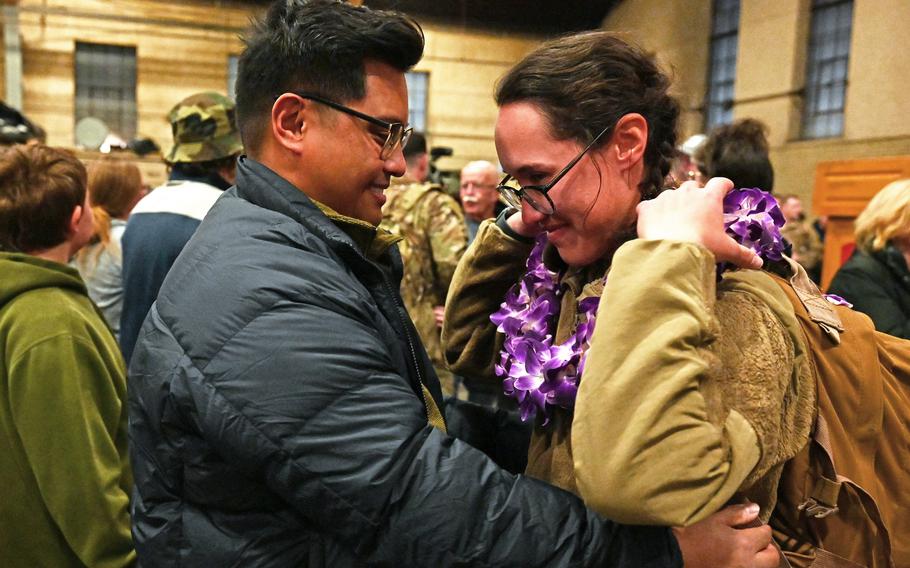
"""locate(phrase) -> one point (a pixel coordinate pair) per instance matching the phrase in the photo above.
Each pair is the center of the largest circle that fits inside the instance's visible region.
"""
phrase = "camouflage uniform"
(434, 238)
(204, 129)
(807, 247)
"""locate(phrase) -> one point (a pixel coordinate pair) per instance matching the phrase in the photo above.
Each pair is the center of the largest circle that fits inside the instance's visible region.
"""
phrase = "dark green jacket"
(877, 284)
(64, 473)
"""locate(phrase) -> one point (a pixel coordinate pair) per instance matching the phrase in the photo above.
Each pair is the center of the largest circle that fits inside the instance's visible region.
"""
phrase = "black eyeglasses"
(396, 133)
(536, 195)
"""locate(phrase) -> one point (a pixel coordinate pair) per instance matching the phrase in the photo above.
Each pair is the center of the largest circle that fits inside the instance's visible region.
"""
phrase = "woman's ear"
(290, 115)
(630, 137)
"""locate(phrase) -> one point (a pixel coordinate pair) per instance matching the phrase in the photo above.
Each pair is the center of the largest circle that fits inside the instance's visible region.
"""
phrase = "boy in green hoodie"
(64, 473)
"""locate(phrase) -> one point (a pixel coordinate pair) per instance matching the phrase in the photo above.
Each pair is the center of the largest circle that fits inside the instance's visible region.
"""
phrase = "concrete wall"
(183, 47)
(464, 66)
(674, 30)
(773, 39)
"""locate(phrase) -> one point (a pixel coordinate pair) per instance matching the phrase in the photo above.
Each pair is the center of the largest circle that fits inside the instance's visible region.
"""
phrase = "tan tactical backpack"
(844, 500)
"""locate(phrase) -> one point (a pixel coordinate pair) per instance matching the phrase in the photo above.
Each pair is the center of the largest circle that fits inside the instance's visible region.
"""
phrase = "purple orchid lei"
(540, 375)
(754, 219)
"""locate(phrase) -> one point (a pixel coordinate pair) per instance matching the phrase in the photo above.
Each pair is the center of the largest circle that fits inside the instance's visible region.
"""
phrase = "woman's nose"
(529, 215)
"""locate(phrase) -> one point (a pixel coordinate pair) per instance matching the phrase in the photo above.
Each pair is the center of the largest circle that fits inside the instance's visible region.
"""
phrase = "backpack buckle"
(813, 508)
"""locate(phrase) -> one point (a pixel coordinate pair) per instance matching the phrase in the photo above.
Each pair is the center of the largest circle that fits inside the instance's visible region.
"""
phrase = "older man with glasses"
(478, 194)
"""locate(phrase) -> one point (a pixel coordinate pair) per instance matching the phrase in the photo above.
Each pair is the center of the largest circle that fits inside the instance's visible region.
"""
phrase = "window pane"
(722, 74)
(826, 68)
(418, 92)
(232, 75)
(106, 86)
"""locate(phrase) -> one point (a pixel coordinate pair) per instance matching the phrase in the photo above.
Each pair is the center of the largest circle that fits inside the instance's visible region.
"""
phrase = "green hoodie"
(64, 473)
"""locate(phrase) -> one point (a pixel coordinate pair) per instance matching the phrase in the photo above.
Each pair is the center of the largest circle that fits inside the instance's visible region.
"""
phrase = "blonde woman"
(115, 186)
(876, 279)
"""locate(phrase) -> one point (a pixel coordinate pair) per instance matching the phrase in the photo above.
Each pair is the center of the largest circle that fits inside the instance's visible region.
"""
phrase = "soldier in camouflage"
(431, 226)
(807, 248)
(204, 130)
(202, 164)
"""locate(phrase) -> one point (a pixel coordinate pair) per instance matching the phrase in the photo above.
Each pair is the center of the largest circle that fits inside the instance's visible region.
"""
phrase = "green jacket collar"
(372, 241)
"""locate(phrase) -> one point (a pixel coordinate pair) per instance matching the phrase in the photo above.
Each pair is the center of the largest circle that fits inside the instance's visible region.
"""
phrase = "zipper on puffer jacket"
(407, 334)
(404, 324)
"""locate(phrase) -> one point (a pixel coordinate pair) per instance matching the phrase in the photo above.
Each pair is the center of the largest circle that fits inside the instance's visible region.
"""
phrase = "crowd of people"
(334, 362)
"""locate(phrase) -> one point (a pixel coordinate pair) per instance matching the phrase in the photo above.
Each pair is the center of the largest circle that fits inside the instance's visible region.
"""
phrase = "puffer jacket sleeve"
(317, 410)
(493, 263)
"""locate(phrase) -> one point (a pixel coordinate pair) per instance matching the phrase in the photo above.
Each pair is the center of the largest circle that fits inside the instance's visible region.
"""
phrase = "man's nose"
(395, 165)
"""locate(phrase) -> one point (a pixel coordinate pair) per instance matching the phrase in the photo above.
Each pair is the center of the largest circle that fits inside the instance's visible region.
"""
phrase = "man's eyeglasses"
(394, 133)
(536, 195)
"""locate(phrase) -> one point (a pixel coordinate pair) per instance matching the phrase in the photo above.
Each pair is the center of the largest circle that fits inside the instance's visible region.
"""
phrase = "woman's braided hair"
(585, 82)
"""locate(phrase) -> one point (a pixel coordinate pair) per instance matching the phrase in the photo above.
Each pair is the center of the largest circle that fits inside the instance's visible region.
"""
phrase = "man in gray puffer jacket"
(282, 409)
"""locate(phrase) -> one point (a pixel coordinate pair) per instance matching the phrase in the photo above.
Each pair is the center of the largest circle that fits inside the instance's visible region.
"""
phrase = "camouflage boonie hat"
(204, 129)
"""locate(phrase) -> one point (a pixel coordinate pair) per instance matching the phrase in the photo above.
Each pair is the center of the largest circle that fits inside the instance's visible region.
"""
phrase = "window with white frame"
(722, 68)
(826, 68)
(418, 93)
(106, 86)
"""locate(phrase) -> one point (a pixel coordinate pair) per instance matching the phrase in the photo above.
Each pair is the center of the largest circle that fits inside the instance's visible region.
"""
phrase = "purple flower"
(536, 373)
(753, 218)
(837, 300)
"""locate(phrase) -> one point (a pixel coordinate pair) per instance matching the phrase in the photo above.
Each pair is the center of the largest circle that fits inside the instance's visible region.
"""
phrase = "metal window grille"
(418, 94)
(722, 74)
(232, 76)
(106, 86)
(826, 68)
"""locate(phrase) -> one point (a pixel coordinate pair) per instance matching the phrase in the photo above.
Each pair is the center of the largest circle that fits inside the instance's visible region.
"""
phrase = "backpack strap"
(820, 310)
(823, 499)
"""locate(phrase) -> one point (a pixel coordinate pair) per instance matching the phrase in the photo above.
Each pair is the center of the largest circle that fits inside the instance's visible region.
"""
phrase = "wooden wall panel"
(182, 48)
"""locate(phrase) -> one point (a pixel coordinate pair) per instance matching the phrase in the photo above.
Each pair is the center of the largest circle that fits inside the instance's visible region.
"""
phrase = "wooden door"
(842, 190)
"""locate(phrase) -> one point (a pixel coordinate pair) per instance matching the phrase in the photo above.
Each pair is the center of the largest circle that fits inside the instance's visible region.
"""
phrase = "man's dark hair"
(739, 151)
(204, 169)
(40, 187)
(318, 46)
(417, 145)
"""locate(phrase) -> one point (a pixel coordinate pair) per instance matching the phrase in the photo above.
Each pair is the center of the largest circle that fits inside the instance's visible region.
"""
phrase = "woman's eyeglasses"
(536, 195)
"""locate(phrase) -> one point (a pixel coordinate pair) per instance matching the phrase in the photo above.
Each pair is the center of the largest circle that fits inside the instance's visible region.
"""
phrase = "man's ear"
(74, 221)
(290, 121)
(630, 137)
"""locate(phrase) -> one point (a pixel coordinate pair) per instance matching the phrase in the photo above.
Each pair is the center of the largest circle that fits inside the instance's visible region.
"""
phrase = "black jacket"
(276, 417)
(878, 285)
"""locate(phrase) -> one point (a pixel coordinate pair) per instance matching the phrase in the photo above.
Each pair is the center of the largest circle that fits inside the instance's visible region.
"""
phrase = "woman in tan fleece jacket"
(695, 393)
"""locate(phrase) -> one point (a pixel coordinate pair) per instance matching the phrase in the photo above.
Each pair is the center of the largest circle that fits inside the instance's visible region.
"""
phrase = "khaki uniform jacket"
(807, 247)
(693, 392)
(434, 237)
